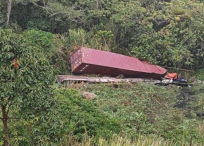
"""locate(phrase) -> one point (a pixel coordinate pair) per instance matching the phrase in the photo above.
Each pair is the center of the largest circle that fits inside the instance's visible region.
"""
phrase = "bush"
(81, 116)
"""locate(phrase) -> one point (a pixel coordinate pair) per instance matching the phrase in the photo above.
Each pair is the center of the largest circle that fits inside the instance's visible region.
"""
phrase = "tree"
(26, 76)
(8, 11)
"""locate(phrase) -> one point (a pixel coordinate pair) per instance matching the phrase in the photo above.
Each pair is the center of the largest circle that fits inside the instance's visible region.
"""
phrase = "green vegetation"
(36, 40)
(144, 109)
(138, 114)
(168, 33)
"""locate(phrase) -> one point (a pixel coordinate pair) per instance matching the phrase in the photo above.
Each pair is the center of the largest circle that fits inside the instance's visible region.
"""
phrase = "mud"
(185, 98)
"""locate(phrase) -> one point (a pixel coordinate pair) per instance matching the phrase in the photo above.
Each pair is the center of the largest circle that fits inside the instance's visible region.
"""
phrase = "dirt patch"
(185, 98)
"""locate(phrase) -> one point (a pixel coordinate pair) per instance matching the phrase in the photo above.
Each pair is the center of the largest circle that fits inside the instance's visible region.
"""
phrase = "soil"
(184, 100)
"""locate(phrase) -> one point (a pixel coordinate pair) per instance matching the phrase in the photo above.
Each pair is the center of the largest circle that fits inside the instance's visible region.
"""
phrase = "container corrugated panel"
(92, 61)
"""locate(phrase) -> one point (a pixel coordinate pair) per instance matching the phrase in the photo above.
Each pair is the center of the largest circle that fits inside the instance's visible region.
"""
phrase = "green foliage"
(199, 74)
(30, 16)
(3, 13)
(168, 33)
(147, 109)
(198, 105)
(157, 49)
(26, 76)
(80, 116)
(151, 140)
(164, 32)
(185, 132)
(103, 40)
(54, 47)
(42, 40)
(128, 14)
(76, 38)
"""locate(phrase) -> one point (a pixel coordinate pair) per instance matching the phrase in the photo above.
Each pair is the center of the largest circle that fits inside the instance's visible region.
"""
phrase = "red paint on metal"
(92, 61)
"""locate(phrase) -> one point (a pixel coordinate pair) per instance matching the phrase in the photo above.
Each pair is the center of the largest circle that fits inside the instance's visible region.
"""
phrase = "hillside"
(164, 32)
(165, 115)
(37, 38)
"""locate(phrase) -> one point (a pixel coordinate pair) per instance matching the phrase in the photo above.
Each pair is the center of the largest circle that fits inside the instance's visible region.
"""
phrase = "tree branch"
(9, 118)
(13, 118)
(43, 7)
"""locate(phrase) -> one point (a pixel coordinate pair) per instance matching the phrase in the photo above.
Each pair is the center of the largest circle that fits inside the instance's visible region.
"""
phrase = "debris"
(67, 78)
(121, 76)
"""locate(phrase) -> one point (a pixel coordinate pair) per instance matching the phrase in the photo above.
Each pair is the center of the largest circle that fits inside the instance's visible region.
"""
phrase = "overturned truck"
(115, 67)
(92, 61)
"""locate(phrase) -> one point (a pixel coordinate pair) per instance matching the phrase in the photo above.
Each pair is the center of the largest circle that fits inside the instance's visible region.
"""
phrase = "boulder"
(88, 95)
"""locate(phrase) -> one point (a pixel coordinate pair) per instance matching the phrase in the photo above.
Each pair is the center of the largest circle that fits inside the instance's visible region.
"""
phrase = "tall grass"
(147, 116)
(125, 141)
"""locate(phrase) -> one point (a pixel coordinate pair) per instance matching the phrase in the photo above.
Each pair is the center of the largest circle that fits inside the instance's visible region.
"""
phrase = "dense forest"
(164, 32)
(36, 40)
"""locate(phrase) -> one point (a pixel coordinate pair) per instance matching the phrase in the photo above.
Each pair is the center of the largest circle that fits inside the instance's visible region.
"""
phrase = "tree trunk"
(45, 4)
(97, 3)
(8, 11)
(5, 125)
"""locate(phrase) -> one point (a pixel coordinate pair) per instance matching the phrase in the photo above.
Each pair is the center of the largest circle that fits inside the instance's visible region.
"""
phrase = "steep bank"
(171, 112)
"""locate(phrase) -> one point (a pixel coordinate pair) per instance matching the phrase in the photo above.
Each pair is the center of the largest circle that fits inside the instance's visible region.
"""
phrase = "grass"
(139, 141)
(145, 110)
(127, 115)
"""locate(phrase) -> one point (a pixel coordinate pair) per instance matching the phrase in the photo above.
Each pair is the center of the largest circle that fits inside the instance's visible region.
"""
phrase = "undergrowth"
(145, 109)
(125, 114)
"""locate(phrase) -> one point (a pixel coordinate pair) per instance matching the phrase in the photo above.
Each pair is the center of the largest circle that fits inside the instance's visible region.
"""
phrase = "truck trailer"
(103, 63)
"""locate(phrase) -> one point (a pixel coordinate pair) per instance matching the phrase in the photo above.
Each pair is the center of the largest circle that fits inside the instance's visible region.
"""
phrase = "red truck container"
(92, 61)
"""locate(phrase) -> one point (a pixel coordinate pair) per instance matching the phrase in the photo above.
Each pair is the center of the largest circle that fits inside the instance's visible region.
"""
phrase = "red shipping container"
(92, 61)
